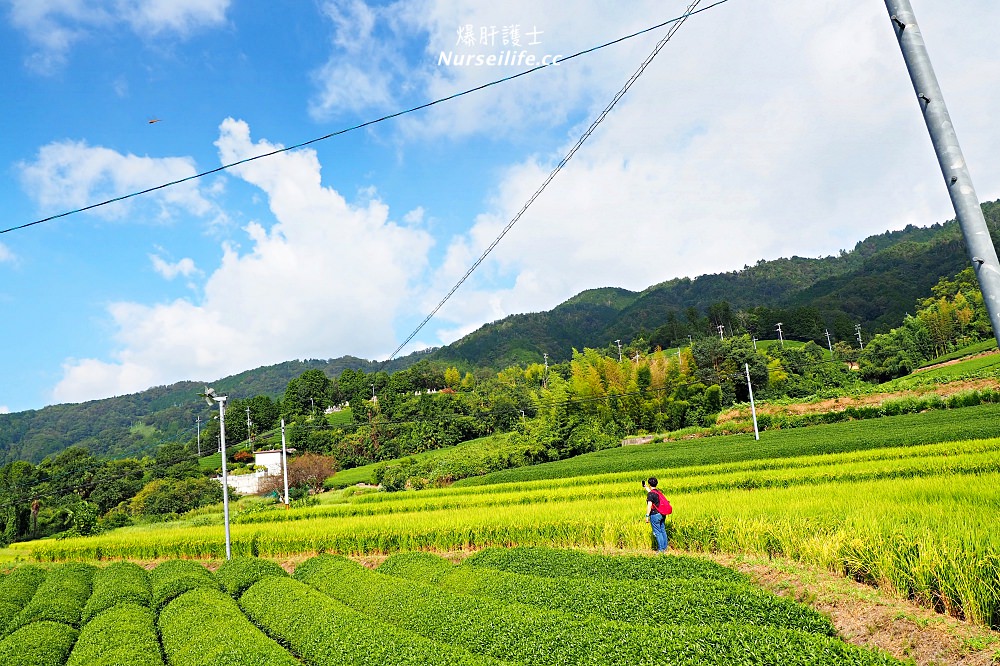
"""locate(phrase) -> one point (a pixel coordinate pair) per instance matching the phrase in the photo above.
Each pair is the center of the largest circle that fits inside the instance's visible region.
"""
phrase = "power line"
(677, 23)
(359, 126)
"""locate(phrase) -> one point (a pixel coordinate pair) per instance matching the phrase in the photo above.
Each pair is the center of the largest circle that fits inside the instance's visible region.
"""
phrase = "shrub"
(118, 583)
(676, 600)
(550, 562)
(16, 590)
(175, 577)
(325, 631)
(516, 632)
(124, 635)
(239, 573)
(205, 627)
(60, 598)
(38, 644)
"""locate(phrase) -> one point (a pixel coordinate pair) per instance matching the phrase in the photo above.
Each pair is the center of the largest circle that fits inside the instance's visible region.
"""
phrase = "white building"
(250, 484)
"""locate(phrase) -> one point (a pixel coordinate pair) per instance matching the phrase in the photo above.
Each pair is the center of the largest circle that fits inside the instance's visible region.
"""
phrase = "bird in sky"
(153, 120)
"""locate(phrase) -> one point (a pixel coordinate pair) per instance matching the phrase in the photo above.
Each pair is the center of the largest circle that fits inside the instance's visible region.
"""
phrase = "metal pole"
(964, 199)
(780, 336)
(828, 342)
(619, 350)
(284, 460)
(198, 422)
(225, 477)
(753, 409)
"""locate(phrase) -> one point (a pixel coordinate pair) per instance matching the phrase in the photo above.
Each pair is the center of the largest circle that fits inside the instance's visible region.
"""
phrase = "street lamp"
(211, 398)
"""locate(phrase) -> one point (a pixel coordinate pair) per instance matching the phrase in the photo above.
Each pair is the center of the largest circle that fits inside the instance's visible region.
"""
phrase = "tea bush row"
(60, 597)
(175, 577)
(239, 573)
(123, 635)
(516, 632)
(205, 627)
(16, 590)
(324, 631)
(41, 643)
(118, 583)
(653, 602)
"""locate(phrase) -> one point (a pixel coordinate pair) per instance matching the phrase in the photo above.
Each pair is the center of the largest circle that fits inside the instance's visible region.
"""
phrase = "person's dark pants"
(656, 521)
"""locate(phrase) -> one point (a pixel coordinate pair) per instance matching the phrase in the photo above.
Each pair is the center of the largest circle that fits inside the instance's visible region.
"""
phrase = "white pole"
(225, 476)
(780, 337)
(828, 342)
(619, 350)
(753, 409)
(198, 422)
(284, 460)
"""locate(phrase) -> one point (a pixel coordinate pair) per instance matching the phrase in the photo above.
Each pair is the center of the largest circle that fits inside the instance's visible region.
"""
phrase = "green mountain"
(874, 285)
(135, 424)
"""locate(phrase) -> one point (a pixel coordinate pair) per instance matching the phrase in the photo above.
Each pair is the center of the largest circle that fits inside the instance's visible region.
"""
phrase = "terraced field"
(503, 606)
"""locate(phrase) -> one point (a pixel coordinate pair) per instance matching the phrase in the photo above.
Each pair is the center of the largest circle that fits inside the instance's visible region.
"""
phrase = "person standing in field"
(657, 508)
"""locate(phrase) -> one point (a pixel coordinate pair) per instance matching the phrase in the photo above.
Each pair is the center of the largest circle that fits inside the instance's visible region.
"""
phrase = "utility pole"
(545, 375)
(374, 399)
(828, 343)
(248, 426)
(619, 350)
(753, 408)
(636, 359)
(857, 329)
(198, 423)
(284, 461)
(782, 339)
(721, 329)
(964, 199)
(754, 338)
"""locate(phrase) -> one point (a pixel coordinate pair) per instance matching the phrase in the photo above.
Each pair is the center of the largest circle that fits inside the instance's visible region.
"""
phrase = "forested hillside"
(875, 284)
(133, 425)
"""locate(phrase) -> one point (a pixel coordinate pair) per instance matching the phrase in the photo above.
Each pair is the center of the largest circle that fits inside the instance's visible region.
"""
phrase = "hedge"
(41, 643)
(60, 598)
(516, 632)
(324, 631)
(175, 577)
(239, 573)
(123, 635)
(552, 563)
(118, 583)
(653, 602)
(16, 590)
(205, 627)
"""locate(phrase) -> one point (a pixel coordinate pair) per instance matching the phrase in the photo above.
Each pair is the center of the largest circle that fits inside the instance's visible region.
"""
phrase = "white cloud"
(4, 409)
(179, 16)
(363, 66)
(169, 271)
(5, 253)
(54, 26)
(724, 152)
(329, 277)
(72, 174)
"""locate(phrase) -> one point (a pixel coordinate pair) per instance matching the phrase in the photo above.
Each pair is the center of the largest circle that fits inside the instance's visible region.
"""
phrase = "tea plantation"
(502, 606)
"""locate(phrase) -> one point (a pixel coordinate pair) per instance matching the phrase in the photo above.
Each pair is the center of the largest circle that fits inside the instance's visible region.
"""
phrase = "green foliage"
(169, 496)
(16, 590)
(41, 643)
(521, 633)
(123, 635)
(239, 573)
(679, 599)
(59, 598)
(175, 577)
(325, 631)
(116, 584)
(206, 628)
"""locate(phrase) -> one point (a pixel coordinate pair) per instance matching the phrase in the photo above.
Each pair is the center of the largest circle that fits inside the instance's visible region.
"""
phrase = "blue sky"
(763, 130)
